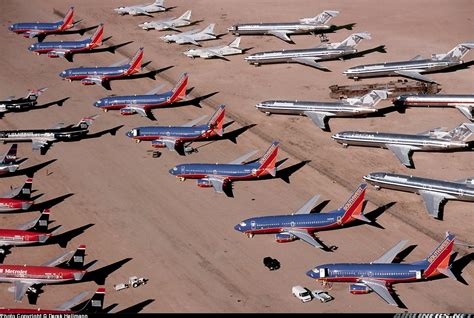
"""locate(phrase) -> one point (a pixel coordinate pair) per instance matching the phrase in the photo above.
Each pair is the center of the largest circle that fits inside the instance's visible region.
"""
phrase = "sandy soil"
(180, 236)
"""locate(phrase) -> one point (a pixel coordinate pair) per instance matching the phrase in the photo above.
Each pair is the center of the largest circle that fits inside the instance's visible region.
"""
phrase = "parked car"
(302, 293)
(321, 295)
(271, 263)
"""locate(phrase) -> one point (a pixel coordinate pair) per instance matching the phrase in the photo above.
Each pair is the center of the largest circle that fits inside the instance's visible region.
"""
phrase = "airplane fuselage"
(17, 104)
(441, 100)
(47, 134)
(104, 73)
(38, 274)
(289, 56)
(147, 101)
(7, 168)
(300, 107)
(288, 28)
(37, 27)
(20, 237)
(226, 171)
(8, 204)
(67, 46)
(179, 133)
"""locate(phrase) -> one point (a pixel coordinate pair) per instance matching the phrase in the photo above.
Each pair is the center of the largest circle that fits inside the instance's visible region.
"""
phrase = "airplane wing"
(58, 126)
(94, 79)
(308, 206)
(10, 194)
(243, 158)
(318, 118)
(217, 183)
(141, 11)
(28, 225)
(390, 254)
(304, 236)
(194, 121)
(282, 35)
(20, 289)
(466, 111)
(139, 110)
(122, 62)
(433, 201)
(380, 289)
(186, 39)
(169, 142)
(417, 58)
(38, 143)
(72, 302)
(402, 152)
(466, 181)
(415, 75)
(32, 34)
(310, 62)
(61, 53)
(155, 90)
(59, 260)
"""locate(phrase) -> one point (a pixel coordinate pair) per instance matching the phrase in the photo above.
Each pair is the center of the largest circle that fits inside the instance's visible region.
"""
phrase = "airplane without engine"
(192, 37)
(178, 138)
(302, 224)
(415, 67)
(403, 145)
(220, 176)
(311, 56)
(8, 161)
(320, 112)
(17, 199)
(102, 75)
(220, 51)
(12, 104)
(143, 9)
(168, 24)
(67, 267)
(282, 31)
(379, 276)
(37, 29)
(142, 104)
(43, 138)
(434, 192)
(67, 49)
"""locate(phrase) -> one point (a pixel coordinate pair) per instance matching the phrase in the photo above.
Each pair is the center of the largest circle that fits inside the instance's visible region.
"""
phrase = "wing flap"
(282, 35)
(433, 201)
(318, 118)
(304, 236)
(309, 62)
(402, 152)
(380, 289)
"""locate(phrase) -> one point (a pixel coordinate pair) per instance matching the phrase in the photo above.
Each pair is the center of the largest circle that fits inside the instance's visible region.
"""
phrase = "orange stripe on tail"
(268, 160)
(67, 21)
(439, 258)
(179, 91)
(135, 62)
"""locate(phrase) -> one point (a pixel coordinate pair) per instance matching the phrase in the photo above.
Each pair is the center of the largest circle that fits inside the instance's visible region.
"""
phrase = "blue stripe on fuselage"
(181, 132)
(64, 45)
(386, 272)
(93, 71)
(32, 26)
(223, 170)
(134, 100)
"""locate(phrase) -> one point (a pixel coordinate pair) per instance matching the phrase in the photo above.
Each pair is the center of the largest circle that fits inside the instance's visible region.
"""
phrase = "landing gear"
(249, 235)
(377, 187)
(345, 145)
(327, 285)
(137, 141)
(156, 154)
(181, 179)
(105, 110)
(189, 150)
(323, 38)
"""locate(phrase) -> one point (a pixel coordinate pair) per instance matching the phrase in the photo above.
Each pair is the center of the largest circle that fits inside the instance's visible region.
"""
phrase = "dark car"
(271, 263)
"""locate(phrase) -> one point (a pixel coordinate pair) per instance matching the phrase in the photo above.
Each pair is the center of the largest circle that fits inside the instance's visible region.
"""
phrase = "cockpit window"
(243, 224)
(175, 168)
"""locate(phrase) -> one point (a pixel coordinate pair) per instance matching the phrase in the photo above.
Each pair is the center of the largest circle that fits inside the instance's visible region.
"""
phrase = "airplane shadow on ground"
(151, 74)
(82, 31)
(29, 171)
(59, 102)
(135, 308)
(110, 49)
(49, 203)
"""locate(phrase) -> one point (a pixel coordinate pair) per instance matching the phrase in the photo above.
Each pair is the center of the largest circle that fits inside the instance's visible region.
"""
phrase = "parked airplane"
(403, 145)
(143, 9)
(67, 49)
(32, 232)
(67, 267)
(302, 224)
(101, 75)
(414, 67)
(142, 104)
(433, 191)
(36, 29)
(178, 138)
(311, 56)
(43, 138)
(220, 176)
(12, 104)
(192, 37)
(319, 112)
(168, 24)
(8, 161)
(18, 198)
(93, 305)
(283, 30)
(216, 51)
(464, 103)
(379, 275)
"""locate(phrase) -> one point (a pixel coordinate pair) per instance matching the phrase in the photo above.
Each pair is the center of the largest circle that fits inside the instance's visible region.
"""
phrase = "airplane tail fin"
(186, 16)
(24, 193)
(268, 160)
(136, 62)
(209, 29)
(35, 93)
(321, 18)
(42, 222)
(235, 44)
(10, 156)
(95, 303)
(352, 209)
(438, 261)
(179, 91)
(216, 122)
(67, 21)
(77, 259)
(354, 39)
(459, 51)
(96, 38)
(460, 133)
(85, 122)
(373, 97)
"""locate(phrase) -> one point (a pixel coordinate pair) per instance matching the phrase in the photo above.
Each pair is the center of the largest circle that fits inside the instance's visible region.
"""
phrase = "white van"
(301, 293)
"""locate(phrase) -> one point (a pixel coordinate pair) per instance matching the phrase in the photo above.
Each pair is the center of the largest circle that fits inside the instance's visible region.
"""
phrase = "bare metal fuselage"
(339, 109)
(266, 28)
(289, 56)
(441, 100)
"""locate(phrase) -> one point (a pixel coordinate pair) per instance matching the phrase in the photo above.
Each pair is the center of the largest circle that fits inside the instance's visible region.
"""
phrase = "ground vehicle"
(271, 263)
(321, 295)
(301, 293)
(133, 281)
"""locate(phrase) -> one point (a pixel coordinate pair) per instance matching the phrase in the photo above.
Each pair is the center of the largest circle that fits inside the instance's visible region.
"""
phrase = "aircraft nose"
(173, 171)
(97, 103)
(311, 273)
(129, 133)
(238, 228)
(11, 27)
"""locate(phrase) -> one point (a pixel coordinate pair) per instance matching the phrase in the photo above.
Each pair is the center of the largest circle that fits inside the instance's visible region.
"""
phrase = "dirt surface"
(181, 237)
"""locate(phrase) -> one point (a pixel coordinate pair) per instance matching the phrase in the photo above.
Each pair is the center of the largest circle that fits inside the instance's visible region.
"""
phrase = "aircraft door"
(252, 225)
(323, 272)
(418, 274)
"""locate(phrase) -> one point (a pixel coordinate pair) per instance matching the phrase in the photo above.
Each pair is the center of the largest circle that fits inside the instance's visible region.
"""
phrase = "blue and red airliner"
(141, 104)
(302, 224)
(37, 29)
(101, 75)
(219, 176)
(67, 48)
(379, 275)
(177, 138)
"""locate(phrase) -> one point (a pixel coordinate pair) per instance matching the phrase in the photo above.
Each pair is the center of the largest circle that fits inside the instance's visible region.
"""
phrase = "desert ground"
(180, 236)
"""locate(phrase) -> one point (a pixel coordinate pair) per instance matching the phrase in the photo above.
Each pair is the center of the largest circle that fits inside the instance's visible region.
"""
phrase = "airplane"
(12, 104)
(67, 49)
(413, 68)
(220, 176)
(319, 112)
(43, 138)
(8, 161)
(379, 276)
(403, 145)
(302, 224)
(32, 232)
(168, 24)
(93, 305)
(142, 104)
(464, 103)
(192, 37)
(102, 75)
(216, 51)
(311, 56)
(18, 198)
(283, 30)
(433, 191)
(178, 138)
(37, 29)
(143, 9)
(67, 267)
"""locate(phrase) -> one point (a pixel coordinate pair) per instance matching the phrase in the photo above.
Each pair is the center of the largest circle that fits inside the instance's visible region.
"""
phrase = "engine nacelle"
(204, 183)
(127, 111)
(284, 237)
(359, 289)
(87, 82)
(158, 144)
(53, 55)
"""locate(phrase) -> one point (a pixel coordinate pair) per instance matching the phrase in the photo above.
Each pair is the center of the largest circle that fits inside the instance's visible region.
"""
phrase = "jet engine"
(204, 183)
(359, 289)
(52, 55)
(284, 237)
(127, 111)
(158, 144)
(87, 82)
